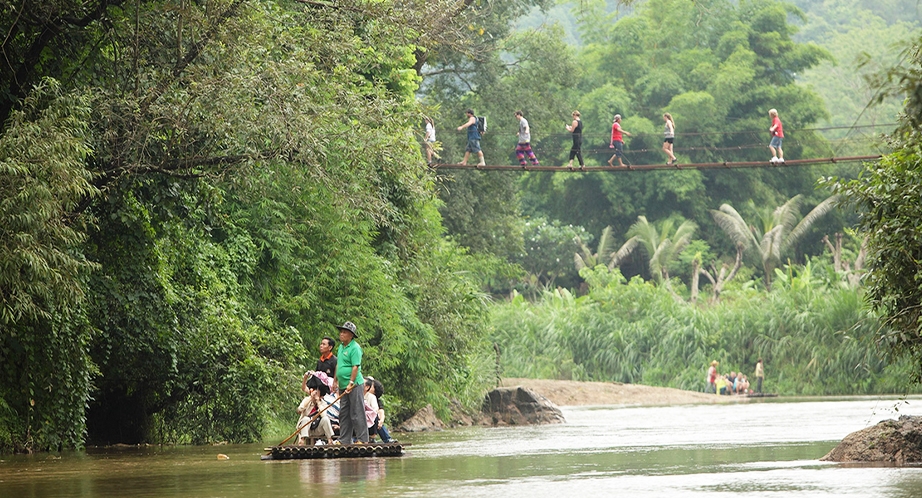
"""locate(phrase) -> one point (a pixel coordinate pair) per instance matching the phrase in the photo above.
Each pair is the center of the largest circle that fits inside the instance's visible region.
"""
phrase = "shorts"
(669, 140)
(776, 142)
(472, 146)
(619, 148)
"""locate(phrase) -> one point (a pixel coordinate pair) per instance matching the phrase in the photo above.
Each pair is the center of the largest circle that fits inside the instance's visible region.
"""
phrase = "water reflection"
(332, 471)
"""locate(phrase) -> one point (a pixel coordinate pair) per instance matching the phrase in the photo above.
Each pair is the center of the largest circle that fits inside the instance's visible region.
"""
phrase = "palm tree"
(662, 246)
(604, 254)
(778, 231)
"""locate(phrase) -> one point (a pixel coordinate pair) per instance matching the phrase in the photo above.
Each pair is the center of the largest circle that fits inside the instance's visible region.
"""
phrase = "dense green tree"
(888, 198)
(865, 41)
(481, 208)
(549, 248)
(717, 67)
(259, 184)
(45, 370)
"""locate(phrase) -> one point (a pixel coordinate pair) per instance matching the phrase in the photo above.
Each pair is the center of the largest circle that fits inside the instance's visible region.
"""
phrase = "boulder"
(518, 406)
(424, 420)
(460, 417)
(893, 441)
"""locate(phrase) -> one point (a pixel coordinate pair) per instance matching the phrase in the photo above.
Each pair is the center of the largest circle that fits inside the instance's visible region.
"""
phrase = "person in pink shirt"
(777, 132)
(617, 141)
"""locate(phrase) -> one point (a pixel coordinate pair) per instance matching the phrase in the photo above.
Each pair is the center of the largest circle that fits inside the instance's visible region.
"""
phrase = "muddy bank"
(573, 393)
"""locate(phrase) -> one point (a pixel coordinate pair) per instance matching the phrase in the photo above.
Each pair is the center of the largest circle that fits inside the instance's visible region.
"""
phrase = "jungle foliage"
(193, 194)
(888, 198)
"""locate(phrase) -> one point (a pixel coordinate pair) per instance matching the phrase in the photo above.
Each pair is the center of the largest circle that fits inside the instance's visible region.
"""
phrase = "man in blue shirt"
(352, 423)
(473, 138)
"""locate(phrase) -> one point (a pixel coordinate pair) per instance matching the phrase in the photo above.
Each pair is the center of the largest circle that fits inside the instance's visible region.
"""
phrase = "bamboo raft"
(334, 451)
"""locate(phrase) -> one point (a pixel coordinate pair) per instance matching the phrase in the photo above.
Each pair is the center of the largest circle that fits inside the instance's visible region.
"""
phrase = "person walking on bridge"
(777, 131)
(473, 138)
(576, 128)
(524, 146)
(669, 138)
(617, 141)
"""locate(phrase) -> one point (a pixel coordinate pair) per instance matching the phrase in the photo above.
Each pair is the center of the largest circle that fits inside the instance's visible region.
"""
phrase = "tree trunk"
(836, 251)
(696, 272)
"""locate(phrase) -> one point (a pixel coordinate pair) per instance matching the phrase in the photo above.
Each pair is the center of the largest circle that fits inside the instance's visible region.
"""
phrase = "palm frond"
(586, 258)
(683, 235)
(786, 214)
(733, 225)
(807, 222)
(646, 233)
(659, 259)
(771, 244)
(606, 242)
(618, 256)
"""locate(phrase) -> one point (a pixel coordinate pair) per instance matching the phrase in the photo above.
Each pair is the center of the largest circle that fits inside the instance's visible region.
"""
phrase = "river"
(756, 449)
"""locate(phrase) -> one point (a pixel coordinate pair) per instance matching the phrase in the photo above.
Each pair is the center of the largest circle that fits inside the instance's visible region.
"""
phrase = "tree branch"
(157, 91)
(20, 76)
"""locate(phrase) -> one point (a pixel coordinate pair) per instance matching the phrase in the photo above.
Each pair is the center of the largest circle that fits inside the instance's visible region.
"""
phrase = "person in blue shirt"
(473, 138)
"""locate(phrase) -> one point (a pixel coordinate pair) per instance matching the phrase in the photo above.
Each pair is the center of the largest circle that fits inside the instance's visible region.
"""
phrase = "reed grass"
(815, 337)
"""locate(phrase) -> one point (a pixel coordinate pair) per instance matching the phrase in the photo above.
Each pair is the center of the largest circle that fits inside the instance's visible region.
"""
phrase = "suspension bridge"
(559, 143)
(646, 167)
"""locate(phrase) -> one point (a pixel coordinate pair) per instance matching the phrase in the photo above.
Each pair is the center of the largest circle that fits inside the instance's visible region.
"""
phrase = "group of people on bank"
(733, 383)
(523, 150)
(341, 406)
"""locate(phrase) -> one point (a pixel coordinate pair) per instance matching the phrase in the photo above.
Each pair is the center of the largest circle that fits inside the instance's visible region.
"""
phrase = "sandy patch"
(572, 393)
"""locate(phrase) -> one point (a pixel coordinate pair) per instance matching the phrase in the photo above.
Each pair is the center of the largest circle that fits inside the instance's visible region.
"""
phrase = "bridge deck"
(644, 167)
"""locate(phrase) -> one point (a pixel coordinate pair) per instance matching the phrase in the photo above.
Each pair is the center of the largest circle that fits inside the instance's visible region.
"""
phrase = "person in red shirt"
(777, 132)
(617, 142)
(711, 378)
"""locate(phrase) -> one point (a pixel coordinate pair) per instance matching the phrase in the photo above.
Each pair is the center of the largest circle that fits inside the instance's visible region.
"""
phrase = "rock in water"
(424, 420)
(519, 406)
(895, 441)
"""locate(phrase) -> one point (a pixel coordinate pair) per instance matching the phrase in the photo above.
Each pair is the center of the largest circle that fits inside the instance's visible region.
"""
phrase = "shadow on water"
(747, 449)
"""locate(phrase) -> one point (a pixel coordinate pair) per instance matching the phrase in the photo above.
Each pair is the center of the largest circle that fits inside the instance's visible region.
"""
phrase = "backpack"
(481, 124)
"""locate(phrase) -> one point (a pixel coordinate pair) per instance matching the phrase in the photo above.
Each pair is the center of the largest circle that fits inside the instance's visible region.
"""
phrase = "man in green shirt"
(349, 374)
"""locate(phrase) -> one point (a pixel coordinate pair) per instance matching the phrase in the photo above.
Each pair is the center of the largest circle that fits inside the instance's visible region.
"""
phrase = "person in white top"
(430, 139)
(523, 148)
(669, 138)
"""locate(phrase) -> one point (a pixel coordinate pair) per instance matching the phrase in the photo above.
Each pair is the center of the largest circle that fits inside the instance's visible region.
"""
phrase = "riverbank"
(573, 393)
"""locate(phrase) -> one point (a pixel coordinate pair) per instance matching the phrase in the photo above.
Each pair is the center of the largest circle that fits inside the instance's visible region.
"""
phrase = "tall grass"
(814, 337)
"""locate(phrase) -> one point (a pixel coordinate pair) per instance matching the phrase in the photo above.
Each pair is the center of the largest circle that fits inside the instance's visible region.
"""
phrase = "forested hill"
(864, 37)
(193, 194)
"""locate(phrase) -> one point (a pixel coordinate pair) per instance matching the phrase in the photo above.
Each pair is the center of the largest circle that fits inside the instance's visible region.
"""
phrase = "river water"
(766, 448)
